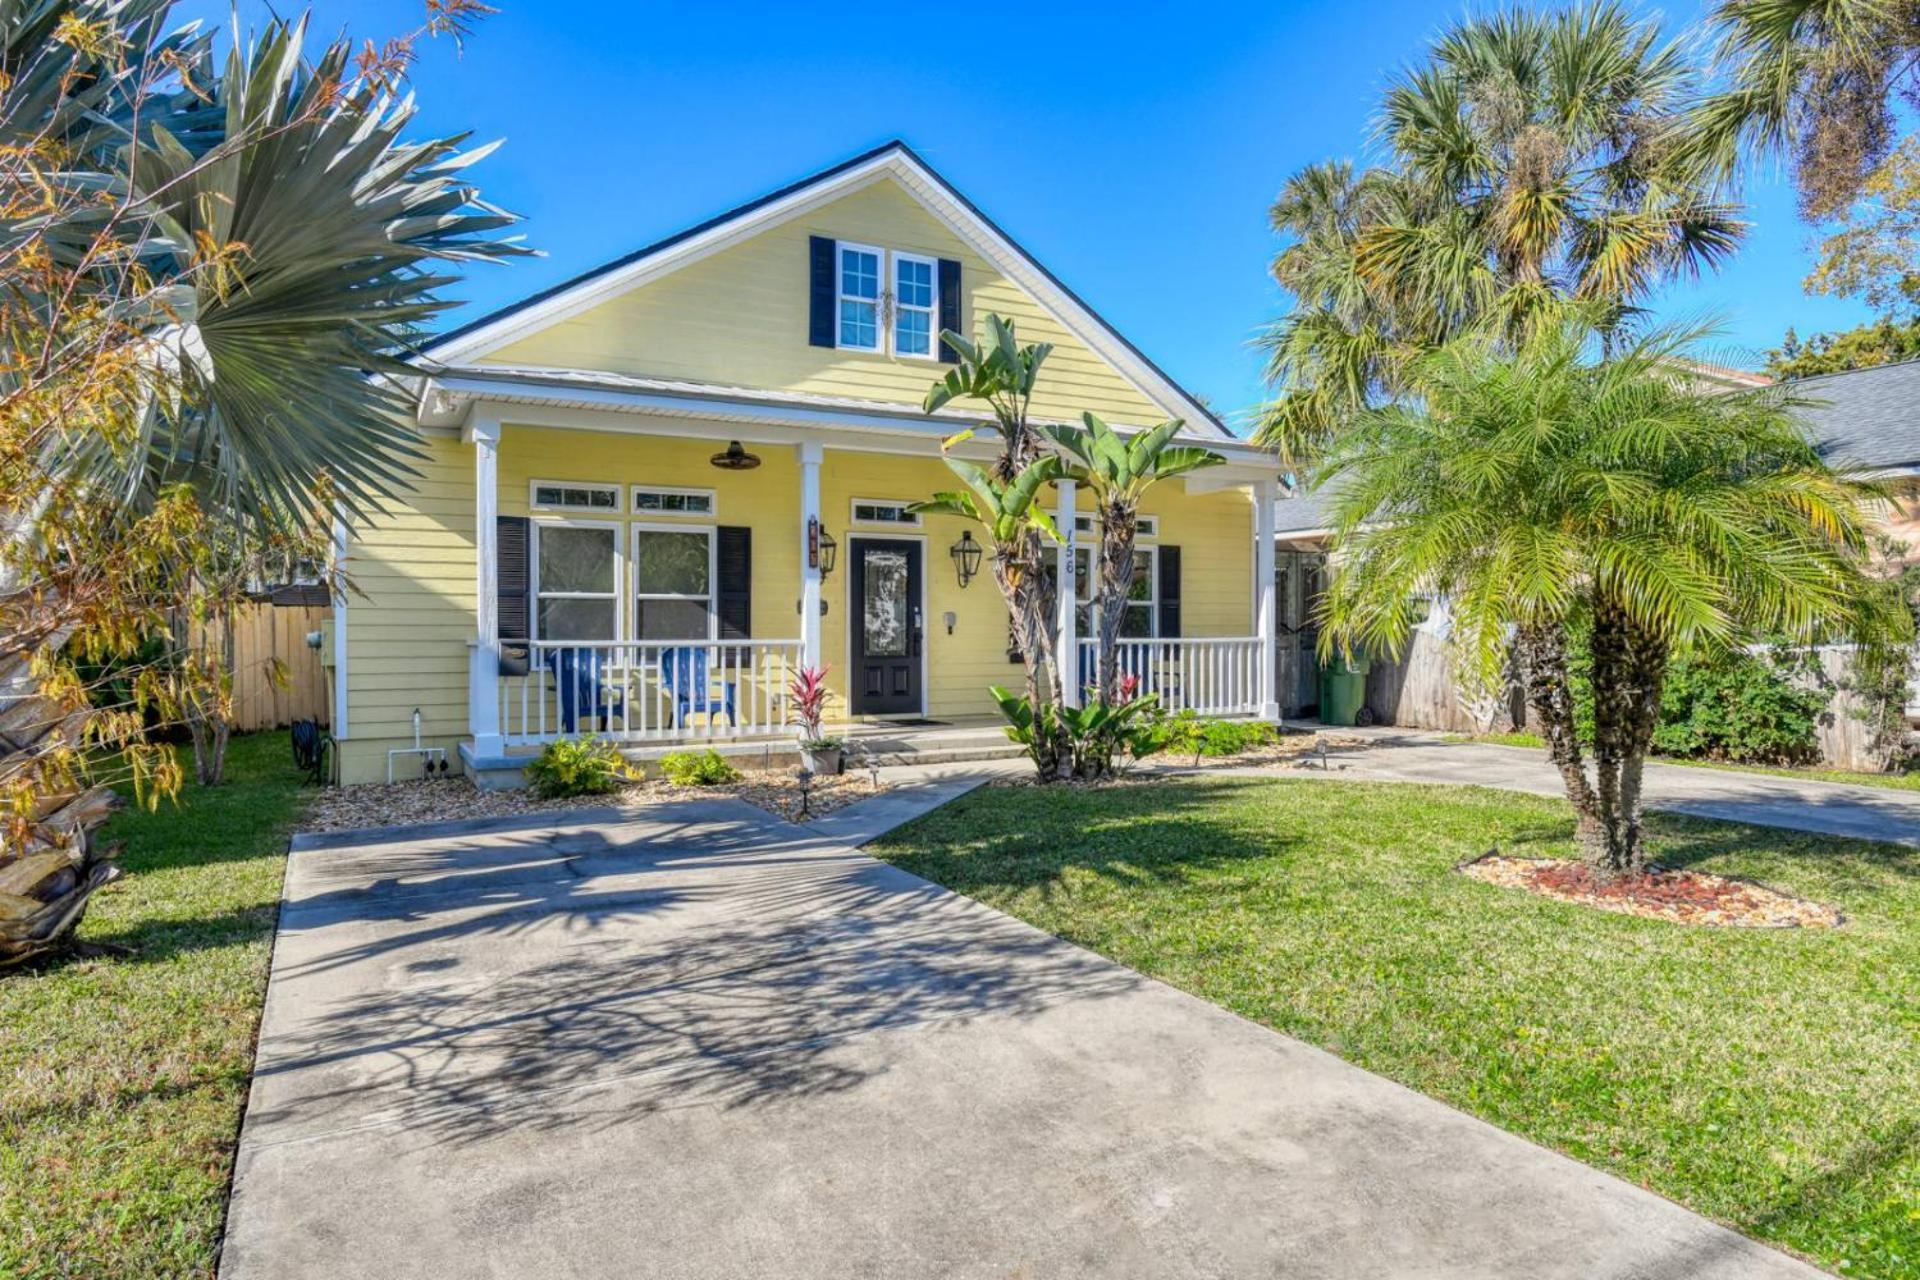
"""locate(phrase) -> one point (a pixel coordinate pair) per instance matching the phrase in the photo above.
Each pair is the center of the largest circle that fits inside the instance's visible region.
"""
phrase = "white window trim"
(619, 576)
(534, 503)
(713, 502)
(1151, 604)
(712, 597)
(881, 328)
(933, 309)
(912, 521)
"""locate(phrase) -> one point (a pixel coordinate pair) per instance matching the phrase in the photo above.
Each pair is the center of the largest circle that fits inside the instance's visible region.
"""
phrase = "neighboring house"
(1869, 419)
(667, 484)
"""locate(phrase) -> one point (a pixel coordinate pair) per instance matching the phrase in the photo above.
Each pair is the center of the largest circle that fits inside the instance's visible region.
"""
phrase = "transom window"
(913, 296)
(1143, 526)
(569, 495)
(673, 575)
(576, 583)
(859, 272)
(672, 502)
(880, 511)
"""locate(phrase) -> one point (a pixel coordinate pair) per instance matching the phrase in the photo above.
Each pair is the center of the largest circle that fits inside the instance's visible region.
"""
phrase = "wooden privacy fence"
(261, 633)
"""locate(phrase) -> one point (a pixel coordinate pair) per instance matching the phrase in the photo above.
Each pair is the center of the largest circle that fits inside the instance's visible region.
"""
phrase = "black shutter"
(513, 580)
(1169, 559)
(950, 319)
(735, 594)
(820, 253)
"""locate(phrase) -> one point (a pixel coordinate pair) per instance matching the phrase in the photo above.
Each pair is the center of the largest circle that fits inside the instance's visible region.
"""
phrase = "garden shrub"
(577, 767)
(1740, 707)
(1191, 734)
(698, 768)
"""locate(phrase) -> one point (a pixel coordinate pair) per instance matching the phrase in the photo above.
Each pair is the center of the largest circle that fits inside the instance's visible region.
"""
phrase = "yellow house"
(653, 493)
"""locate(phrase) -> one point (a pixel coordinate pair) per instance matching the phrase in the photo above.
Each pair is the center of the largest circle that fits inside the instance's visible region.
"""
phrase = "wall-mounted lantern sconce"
(966, 558)
(949, 618)
(822, 550)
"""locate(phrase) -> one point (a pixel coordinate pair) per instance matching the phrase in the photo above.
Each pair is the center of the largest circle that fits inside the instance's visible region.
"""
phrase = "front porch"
(630, 586)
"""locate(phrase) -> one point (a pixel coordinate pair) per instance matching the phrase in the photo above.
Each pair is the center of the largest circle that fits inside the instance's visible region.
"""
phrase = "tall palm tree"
(1529, 161)
(1538, 489)
(211, 275)
(1813, 81)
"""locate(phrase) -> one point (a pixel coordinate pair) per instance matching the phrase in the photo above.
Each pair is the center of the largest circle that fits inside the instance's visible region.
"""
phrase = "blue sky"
(1133, 151)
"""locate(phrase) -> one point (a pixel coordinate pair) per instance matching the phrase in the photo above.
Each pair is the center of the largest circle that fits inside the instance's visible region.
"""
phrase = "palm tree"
(1539, 489)
(1814, 81)
(1529, 161)
(1118, 470)
(211, 278)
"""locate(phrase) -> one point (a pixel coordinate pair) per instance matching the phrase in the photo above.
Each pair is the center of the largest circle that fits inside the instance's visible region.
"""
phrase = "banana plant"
(1017, 527)
(1002, 373)
(1117, 471)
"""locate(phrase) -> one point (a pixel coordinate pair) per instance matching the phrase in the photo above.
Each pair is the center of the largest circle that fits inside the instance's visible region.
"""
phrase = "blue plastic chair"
(684, 674)
(576, 674)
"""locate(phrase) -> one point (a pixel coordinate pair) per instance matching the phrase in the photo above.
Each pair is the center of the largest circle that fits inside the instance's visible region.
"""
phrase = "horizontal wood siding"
(407, 634)
(740, 318)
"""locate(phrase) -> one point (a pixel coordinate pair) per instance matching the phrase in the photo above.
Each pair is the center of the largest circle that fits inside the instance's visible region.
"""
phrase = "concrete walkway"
(1827, 808)
(695, 1041)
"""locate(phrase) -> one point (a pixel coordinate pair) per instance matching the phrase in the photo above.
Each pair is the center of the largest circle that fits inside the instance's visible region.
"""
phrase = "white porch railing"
(649, 690)
(1211, 675)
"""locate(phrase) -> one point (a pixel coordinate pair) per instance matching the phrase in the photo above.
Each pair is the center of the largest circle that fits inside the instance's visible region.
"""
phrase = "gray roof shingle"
(1865, 417)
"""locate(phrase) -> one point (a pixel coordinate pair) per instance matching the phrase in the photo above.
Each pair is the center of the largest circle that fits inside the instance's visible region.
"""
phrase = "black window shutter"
(950, 320)
(1169, 591)
(735, 595)
(513, 580)
(820, 253)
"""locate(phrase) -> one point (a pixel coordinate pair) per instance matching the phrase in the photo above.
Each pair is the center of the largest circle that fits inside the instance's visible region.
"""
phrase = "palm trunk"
(1542, 650)
(1118, 525)
(1629, 664)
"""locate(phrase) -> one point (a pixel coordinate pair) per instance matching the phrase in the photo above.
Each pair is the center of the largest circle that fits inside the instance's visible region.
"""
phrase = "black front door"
(886, 627)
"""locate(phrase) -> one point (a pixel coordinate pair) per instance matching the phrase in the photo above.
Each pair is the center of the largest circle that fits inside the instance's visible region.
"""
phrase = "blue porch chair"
(583, 693)
(685, 676)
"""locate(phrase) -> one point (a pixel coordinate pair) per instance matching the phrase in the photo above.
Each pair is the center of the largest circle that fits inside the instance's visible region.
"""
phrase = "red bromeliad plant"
(808, 692)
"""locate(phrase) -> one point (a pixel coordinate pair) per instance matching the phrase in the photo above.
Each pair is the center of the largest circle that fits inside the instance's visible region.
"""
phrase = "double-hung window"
(859, 274)
(1143, 593)
(914, 289)
(889, 301)
(576, 583)
(673, 574)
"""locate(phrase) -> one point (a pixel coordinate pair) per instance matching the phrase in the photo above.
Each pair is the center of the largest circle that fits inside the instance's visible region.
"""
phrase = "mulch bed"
(1660, 893)
(447, 799)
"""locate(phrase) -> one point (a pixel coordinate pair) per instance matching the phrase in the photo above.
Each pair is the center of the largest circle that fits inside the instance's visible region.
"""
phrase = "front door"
(887, 631)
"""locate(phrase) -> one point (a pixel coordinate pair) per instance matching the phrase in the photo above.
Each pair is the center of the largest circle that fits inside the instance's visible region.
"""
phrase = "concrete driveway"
(695, 1041)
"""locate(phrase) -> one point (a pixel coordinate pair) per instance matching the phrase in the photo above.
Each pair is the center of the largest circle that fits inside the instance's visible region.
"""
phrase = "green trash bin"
(1343, 690)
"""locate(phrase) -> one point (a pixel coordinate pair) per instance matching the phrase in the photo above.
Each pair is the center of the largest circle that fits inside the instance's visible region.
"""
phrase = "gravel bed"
(447, 799)
(1683, 897)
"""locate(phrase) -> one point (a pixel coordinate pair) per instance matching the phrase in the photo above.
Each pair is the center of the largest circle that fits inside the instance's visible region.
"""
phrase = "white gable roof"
(894, 160)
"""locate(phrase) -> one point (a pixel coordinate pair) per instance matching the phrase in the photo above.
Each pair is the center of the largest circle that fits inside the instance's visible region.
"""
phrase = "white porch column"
(483, 668)
(1067, 627)
(810, 652)
(1265, 614)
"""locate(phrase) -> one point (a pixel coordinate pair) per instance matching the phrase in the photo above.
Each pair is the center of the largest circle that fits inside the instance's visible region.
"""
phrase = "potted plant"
(808, 693)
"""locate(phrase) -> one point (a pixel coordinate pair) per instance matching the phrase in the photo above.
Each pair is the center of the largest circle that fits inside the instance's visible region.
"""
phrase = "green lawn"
(1767, 1079)
(1906, 780)
(122, 1078)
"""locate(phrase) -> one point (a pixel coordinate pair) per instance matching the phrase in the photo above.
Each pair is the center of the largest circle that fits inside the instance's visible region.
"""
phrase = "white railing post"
(1066, 650)
(810, 457)
(1265, 615)
(483, 667)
